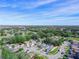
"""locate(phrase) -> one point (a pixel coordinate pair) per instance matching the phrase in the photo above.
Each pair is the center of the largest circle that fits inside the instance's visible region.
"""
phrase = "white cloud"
(26, 4)
(62, 11)
(35, 4)
(57, 16)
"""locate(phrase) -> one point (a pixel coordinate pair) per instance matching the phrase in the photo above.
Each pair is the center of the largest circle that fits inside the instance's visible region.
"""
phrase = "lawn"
(67, 49)
(54, 51)
(73, 38)
(37, 56)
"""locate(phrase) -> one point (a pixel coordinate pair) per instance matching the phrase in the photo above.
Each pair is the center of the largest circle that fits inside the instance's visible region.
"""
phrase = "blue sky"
(39, 12)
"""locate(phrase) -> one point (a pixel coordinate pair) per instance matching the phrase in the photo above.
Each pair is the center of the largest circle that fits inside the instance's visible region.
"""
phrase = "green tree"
(7, 54)
(28, 37)
(35, 36)
(2, 32)
(18, 39)
(23, 55)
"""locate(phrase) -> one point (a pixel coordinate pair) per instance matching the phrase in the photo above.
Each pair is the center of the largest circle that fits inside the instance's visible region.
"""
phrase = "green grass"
(67, 49)
(38, 56)
(54, 51)
(72, 38)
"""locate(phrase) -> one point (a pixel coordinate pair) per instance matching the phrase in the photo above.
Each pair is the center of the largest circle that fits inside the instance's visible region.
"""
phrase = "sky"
(39, 12)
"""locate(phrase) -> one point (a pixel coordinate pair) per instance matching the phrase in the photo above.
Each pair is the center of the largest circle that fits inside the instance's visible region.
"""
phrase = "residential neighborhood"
(39, 43)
